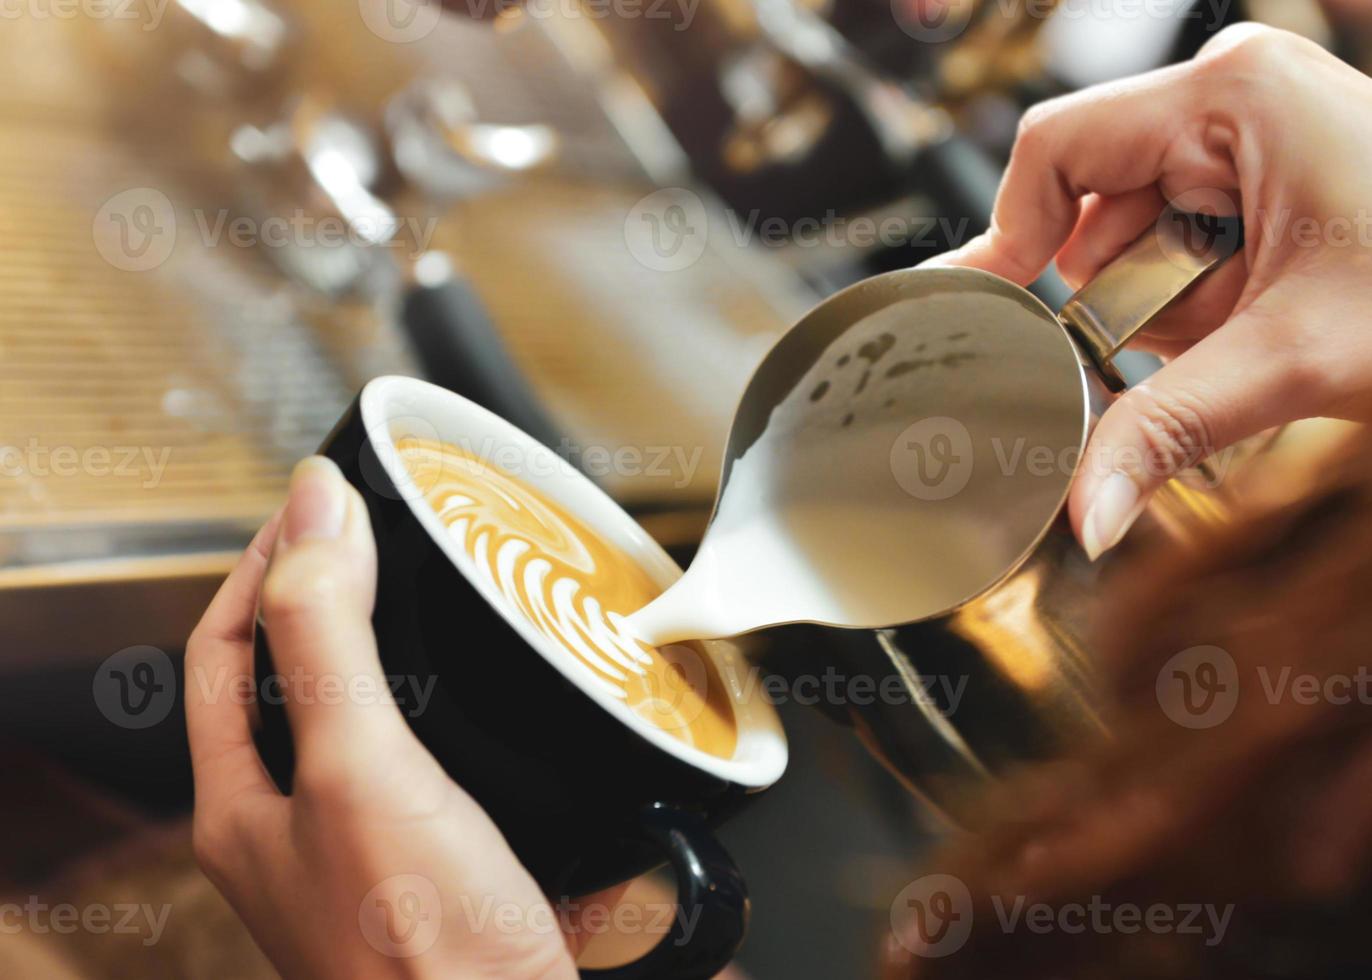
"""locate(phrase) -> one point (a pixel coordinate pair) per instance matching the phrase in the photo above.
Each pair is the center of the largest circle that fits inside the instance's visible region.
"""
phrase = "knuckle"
(201, 646)
(1247, 63)
(1174, 425)
(1248, 45)
(1036, 122)
(294, 593)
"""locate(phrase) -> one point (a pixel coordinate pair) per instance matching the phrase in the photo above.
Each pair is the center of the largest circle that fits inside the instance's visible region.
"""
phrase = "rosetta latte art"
(574, 588)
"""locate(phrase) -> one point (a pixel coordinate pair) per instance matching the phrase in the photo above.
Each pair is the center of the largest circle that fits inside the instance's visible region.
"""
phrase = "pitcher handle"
(1157, 269)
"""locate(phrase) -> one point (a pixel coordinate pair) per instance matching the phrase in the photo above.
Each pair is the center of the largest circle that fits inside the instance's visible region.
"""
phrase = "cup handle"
(1145, 279)
(711, 896)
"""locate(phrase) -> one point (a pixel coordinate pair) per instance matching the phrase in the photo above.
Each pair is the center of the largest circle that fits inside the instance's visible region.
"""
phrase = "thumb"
(316, 607)
(1236, 382)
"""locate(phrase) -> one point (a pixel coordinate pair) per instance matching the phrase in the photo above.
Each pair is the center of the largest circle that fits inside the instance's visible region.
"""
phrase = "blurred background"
(219, 218)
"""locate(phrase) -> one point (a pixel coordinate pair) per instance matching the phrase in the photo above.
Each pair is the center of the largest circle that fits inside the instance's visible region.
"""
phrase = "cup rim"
(760, 757)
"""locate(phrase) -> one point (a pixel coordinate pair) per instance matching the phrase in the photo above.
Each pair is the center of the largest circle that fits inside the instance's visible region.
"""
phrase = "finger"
(218, 684)
(316, 607)
(231, 611)
(1240, 380)
(1111, 140)
(1205, 307)
(1168, 349)
(1107, 227)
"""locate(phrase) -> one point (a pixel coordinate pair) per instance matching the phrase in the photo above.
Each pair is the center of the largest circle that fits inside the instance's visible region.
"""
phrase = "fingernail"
(318, 503)
(1111, 514)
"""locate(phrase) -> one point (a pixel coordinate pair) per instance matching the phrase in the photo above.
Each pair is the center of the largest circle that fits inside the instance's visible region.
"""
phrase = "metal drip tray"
(148, 418)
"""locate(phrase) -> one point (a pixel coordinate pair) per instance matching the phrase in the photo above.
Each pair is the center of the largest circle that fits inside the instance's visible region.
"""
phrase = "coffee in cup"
(575, 588)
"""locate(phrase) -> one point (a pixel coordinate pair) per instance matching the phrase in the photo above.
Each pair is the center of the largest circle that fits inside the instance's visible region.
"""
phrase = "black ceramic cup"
(587, 793)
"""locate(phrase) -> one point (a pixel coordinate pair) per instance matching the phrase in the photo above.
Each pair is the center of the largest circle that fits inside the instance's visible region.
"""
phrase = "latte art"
(574, 588)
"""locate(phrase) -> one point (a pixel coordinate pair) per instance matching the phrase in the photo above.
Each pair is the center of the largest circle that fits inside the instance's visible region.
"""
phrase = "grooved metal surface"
(141, 411)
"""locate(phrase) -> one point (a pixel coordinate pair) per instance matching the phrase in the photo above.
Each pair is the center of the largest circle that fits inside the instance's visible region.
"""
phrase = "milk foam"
(573, 588)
